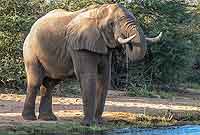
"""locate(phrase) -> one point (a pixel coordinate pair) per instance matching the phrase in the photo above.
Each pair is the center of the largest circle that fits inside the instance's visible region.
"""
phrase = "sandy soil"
(118, 106)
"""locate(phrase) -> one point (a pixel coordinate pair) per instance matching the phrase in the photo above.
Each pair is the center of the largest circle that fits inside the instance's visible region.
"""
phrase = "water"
(182, 130)
(178, 130)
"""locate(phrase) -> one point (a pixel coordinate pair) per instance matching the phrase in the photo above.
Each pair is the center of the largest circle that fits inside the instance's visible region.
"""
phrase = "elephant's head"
(108, 26)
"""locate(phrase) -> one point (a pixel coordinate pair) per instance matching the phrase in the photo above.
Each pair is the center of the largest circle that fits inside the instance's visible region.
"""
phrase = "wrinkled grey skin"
(61, 44)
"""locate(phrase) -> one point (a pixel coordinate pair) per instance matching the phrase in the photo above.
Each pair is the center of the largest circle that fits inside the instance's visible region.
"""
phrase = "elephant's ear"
(83, 34)
(93, 30)
(108, 35)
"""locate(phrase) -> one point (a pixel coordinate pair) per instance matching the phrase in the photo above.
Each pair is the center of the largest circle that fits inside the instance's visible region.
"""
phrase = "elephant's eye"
(130, 46)
(112, 23)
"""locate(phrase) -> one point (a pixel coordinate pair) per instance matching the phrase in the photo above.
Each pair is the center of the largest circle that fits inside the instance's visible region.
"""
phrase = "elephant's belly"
(59, 70)
(56, 61)
(59, 73)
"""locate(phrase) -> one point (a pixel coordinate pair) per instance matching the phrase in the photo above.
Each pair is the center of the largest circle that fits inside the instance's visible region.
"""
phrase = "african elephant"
(62, 44)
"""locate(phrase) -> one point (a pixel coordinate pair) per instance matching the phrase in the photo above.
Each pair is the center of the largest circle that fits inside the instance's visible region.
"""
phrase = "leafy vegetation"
(168, 62)
(172, 59)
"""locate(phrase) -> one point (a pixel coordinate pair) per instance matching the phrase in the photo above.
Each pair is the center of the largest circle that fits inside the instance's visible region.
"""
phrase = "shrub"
(171, 59)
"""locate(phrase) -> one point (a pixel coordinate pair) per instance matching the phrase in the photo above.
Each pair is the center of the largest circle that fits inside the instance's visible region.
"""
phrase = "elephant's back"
(54, 19)
(46, 43)
(58, 13)
(49, 30)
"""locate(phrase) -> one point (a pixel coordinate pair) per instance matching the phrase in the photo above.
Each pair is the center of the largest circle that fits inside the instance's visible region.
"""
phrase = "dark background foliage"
(173, 61)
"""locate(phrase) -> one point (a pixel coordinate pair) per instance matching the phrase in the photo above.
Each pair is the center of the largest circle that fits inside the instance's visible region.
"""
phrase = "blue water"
(178, 130)
(181, 130)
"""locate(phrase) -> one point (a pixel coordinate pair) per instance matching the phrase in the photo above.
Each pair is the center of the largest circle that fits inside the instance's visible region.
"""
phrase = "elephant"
(64, 44)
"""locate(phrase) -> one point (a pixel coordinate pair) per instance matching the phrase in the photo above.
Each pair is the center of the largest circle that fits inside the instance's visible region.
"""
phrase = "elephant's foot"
(99, 121)
(47, 116)
(28, 116)
(87, 122)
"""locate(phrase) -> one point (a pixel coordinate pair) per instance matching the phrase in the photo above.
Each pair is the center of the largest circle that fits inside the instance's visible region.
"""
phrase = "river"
(176, 130)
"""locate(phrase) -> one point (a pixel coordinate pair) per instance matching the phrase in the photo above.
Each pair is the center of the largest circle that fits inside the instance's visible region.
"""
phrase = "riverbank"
(120, 111)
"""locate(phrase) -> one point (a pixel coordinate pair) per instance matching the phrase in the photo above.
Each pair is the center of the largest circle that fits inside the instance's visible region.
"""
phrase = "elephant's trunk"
(136, 52)
(136, 49)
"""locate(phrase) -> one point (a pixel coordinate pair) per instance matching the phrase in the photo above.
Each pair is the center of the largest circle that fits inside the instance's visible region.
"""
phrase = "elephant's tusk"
(155, 39)
(126, 40)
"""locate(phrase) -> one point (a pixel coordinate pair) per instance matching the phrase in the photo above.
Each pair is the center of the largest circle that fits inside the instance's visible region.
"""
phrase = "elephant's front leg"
(102, 88)
(85, 65)
(103, 81)
(88, 89)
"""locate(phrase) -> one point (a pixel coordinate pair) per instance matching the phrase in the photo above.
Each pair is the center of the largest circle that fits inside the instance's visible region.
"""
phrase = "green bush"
(172, 57)
(16, 19)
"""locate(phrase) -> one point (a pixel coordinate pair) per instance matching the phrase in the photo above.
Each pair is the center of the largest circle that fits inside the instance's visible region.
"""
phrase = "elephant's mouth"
(130, 46)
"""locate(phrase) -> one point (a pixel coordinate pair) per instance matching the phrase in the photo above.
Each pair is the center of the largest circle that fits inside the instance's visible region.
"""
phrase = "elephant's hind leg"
(45, 109)
(34, 77)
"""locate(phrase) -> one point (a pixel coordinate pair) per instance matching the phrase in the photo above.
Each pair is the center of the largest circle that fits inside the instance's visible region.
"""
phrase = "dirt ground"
(118, 106)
